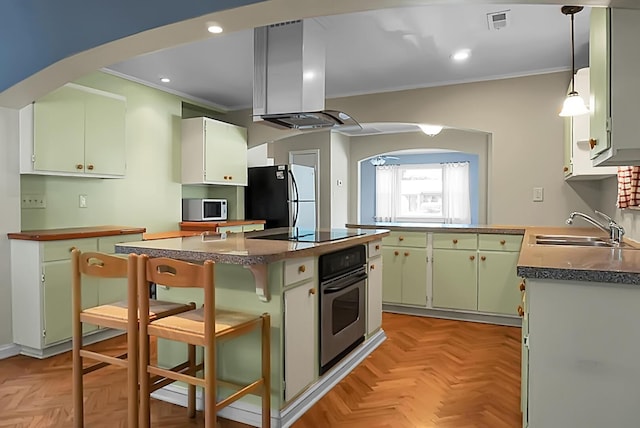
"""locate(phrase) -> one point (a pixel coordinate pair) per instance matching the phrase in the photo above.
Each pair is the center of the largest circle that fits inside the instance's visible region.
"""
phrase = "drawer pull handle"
(592, 143)
(372, 267)
(302, 268)
(79, 166)
(520, 311)
(400, 238)
(483, 258)
(472, 257)
(565, 169)
(312, 291)
(455, 241)
(72, 248)
(377, 247)
(502, 242)
(522, 286)
(395, 253)
(90, 167)
(406, 253)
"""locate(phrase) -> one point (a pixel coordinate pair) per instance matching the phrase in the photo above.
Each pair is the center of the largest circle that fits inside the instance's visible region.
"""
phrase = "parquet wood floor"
(429, 373)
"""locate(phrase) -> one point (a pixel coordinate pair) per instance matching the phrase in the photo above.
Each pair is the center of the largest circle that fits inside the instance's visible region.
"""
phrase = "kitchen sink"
(578, 241)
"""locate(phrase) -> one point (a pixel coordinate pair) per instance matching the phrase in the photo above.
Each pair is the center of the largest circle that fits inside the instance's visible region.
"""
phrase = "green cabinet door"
(498, 282)
(392, 259)
(57, 300)
(454, 279)
(59, 131)
(225, 153)
(414, 276)
(235, 149)
(599, 79)
(104, 149)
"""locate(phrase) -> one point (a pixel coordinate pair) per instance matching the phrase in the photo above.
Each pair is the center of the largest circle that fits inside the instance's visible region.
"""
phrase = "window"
(423, 193)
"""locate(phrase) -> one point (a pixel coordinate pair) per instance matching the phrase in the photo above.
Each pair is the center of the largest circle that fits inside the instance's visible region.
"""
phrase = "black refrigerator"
(282, 195)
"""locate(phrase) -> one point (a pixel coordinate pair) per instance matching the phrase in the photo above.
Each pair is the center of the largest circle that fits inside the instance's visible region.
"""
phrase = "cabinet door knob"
(79, 166)
(230, 177)
(377, 247)
(226, 177)
(592, 143)
(520, 311)
(472, 257)
(502, 242)
(302, 268)
(400, 238)
(522, 286)
(90, 167)
(372, 267)
(483, 258)
(455, 241)
(406, 253)
(312, 291)
(72, 248)
(565, 169)
(395, 253)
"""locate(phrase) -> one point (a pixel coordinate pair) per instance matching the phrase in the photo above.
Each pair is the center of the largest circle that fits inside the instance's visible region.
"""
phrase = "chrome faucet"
(614, 230)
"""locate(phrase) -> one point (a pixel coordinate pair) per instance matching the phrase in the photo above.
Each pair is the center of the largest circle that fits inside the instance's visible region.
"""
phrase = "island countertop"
(443, 227)
(244, 248)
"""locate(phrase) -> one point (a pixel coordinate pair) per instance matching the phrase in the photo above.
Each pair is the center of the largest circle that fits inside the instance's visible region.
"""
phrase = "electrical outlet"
(36, 201)
(82, 201)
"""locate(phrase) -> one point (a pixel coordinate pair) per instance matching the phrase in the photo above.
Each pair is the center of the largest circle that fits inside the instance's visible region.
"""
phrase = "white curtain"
(386, 193)
(456, 200)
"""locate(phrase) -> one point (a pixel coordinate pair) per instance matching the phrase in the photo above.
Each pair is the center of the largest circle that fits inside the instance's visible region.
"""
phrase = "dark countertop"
(241, 248)
(443, 227)
(75, 233)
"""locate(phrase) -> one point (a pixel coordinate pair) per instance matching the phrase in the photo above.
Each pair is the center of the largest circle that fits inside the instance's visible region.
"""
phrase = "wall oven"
(342, 278)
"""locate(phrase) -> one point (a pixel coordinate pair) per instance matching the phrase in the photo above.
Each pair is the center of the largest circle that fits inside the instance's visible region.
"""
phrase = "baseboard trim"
(9, 350)
(512, 321)
(251, 414)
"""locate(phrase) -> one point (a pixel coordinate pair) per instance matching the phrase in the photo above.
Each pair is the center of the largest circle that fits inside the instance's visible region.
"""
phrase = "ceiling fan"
(381, 160)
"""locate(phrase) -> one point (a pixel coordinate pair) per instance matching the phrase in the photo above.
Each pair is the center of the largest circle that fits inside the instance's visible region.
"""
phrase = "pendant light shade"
(574, 104)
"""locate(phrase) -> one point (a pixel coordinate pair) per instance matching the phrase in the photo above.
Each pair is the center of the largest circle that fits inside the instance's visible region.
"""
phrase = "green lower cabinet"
(404, 277)
(57, 300)
(454, 279)
(498, 281)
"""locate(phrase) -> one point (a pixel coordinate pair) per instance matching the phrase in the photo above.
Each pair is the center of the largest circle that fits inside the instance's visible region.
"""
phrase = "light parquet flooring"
(429, 373)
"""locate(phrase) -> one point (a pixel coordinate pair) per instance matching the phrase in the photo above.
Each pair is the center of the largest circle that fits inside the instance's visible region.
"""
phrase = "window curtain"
(628, 186)
(386, 193)
(456, 199)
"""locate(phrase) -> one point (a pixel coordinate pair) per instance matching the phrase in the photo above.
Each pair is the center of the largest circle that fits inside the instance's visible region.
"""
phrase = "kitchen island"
(257, 274)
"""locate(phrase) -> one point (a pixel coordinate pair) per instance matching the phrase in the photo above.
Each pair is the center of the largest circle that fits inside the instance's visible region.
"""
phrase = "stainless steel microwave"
(204, 209)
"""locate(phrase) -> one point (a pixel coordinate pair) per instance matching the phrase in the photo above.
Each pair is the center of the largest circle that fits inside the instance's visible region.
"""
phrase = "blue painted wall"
(368, 179)
(37, 33)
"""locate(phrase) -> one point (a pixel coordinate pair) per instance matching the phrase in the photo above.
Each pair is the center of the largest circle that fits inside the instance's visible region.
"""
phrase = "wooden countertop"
(239, 248)
(75, 233)
(212, 225)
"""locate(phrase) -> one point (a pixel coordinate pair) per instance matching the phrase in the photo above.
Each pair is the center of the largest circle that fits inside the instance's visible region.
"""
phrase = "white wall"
(607, 204)
(339, 180)
(9, 212)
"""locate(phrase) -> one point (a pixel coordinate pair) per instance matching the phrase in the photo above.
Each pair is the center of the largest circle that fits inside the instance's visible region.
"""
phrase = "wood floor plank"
(429, 373)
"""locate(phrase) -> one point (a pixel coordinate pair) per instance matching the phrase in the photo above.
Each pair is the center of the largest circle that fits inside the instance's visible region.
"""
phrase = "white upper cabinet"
(74, 131)
(578, 164)
(614, 62)
(213, 152)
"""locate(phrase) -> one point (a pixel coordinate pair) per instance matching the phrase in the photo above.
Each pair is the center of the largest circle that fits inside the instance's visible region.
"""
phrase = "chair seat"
(191, 323)
(118, 311)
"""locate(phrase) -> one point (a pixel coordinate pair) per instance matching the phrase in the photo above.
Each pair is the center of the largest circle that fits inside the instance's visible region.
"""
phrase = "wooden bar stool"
(120, 315)
(200, 327)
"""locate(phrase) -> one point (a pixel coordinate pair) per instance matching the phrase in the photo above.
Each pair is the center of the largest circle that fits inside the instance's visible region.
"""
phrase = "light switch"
(82, 201)
(538, 194)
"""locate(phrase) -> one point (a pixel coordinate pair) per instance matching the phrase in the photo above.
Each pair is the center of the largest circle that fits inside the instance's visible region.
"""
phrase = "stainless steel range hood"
(288, 78)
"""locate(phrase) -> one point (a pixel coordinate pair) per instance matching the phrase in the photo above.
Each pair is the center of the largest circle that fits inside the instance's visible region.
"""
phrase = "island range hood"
(288, 78)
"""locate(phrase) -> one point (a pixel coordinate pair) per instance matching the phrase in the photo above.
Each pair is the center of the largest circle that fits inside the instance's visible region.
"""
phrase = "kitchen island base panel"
(65, 346)
(249, 413)
(454, 315)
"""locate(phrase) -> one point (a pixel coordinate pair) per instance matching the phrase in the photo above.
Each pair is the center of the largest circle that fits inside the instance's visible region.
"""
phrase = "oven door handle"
(349, 283)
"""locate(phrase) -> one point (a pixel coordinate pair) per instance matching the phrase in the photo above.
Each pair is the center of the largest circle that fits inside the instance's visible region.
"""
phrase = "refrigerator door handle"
(295, 199)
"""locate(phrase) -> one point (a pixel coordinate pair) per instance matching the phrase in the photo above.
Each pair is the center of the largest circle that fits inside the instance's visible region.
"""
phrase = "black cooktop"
(301, 235)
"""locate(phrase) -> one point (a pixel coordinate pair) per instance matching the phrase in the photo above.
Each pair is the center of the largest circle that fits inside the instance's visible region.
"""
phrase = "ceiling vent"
(498, 20)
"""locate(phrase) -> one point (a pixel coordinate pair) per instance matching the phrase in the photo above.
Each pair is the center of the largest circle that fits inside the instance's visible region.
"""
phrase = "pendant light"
(573, 104)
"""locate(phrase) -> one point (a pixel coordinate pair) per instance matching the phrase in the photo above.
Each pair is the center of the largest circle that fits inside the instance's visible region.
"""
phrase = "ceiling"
(381, 50)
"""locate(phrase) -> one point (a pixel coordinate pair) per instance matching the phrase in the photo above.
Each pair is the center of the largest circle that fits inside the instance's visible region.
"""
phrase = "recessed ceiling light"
(461, 55)
(214, 28)
(165, 80)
